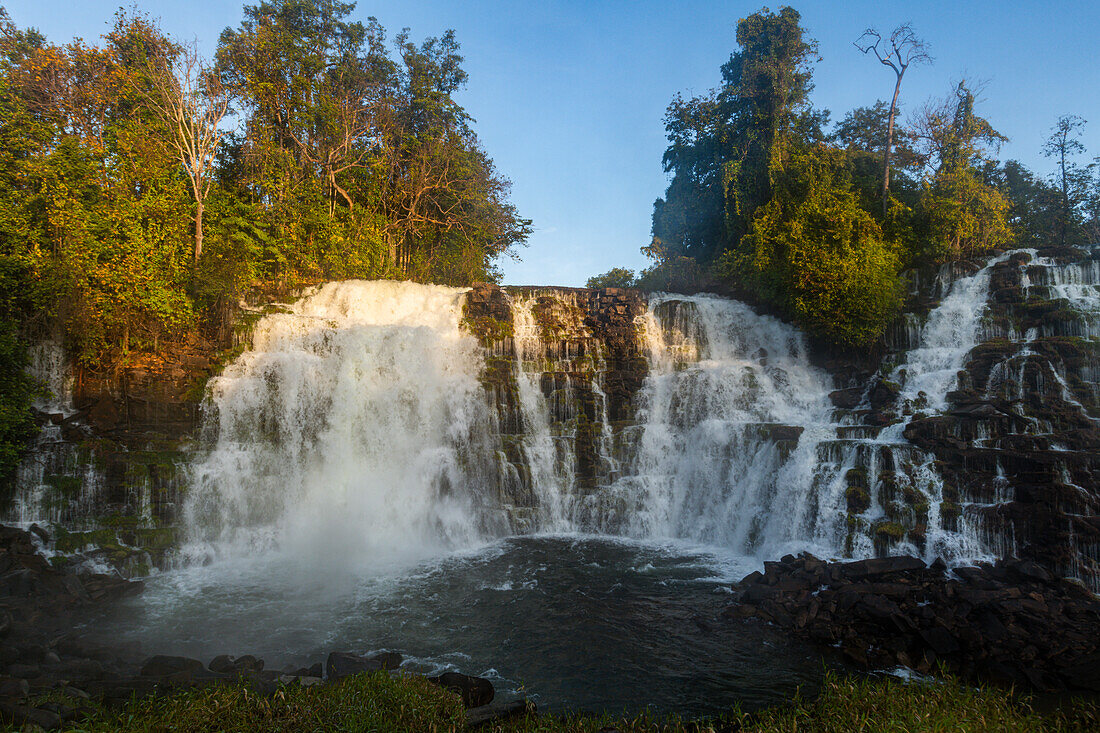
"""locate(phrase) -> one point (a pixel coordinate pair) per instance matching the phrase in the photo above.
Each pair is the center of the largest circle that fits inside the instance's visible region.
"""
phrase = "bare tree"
(1063, 143)
(188, 96)
(902, 49)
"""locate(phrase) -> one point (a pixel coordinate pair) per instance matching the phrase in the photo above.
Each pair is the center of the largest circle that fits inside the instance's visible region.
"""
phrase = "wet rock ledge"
(1009, 623)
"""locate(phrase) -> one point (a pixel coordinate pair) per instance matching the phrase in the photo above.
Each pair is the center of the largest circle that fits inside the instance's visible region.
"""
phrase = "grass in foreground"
(381, 704)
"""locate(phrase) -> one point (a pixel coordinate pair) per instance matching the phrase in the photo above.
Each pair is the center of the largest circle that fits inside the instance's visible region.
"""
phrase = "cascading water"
(931, 369)
(368, 429)
(356, 425)
(354, 428)
(724, 452)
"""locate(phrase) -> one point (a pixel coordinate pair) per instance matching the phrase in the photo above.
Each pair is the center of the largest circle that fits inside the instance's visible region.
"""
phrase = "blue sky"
(569, 95)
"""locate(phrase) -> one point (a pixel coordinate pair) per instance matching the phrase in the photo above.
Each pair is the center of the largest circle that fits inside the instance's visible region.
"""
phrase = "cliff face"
(977, 422)
(1020, 438)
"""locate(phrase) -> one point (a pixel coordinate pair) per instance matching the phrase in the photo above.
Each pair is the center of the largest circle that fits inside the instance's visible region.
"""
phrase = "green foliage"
(814, 253)
(673, 274)
(850, 703)
(616, 277)
(359, 703)
(959, 214)
(795, 221)
(17, 391)
(351, 161)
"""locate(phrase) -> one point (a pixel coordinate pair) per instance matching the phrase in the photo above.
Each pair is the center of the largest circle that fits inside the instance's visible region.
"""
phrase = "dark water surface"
(577, 623)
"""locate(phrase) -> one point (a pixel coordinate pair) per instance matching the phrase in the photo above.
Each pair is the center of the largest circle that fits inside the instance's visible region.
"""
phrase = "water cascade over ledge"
(367, 423)
(372, 422)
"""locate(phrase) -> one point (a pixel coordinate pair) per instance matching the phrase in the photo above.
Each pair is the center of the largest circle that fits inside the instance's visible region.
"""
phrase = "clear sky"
(569, 94)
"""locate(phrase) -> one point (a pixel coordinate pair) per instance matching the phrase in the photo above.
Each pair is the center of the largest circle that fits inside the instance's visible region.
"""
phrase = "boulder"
(476, 692)
(486, 714)
(343, 664)
(165, 666)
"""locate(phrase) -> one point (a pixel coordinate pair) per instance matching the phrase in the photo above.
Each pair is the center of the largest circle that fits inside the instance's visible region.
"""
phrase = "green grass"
(380, 704)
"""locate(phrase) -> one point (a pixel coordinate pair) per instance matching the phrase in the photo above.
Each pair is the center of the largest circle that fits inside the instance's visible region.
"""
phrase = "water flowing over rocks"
(1011, 621)
(368, 422)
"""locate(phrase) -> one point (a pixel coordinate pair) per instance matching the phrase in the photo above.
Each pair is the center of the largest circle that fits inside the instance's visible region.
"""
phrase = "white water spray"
(354, 429)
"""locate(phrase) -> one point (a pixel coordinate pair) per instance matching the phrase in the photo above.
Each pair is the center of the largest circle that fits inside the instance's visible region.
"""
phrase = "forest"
(144, 190)
(819, 223)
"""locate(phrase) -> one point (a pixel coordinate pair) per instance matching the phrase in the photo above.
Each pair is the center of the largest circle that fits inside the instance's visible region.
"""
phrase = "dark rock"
(24, 671)
(164, 666)
(342, 664)
(475, 691)
(1009, 623)
(40, 533)
(847, 399)
(881, 566)
(14, 687)
(485, 714)
(79, 669)
(22, 715)
(225, 664)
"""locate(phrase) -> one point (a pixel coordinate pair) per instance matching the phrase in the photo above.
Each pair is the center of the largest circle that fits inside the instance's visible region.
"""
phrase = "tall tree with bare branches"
(187, 95)
(1072, 181)
(901, 50)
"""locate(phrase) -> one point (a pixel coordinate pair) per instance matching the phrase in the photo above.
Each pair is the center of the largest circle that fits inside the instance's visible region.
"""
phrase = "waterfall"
(361, 424)
(930, 370)
(728, 424)
(355, 428)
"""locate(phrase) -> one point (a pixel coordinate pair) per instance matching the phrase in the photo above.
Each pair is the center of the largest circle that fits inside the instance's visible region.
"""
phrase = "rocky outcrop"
(582, 348)
(1011, 622)
(1019, 444)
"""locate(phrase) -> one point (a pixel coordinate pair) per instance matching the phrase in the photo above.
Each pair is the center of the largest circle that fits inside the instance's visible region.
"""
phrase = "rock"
(881, 566)
(303, 680)
(501, 711)
(79, 669)
(847, 399)
(342, 664)
(164, 666)
(23, 715)
(225, 664)
(475, 691)
(40, 533)
(24, 671)
(1008, 623)
(14, 687)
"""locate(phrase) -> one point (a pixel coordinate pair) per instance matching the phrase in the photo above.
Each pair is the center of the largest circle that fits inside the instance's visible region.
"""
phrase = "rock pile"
(1010, 622)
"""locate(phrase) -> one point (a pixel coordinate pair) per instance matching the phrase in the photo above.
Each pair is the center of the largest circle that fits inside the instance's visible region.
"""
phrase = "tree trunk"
(1065, 195)
(889, 145)
(198, 231)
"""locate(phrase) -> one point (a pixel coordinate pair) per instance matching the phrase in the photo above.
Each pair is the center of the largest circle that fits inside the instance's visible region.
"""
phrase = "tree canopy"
(765, 204)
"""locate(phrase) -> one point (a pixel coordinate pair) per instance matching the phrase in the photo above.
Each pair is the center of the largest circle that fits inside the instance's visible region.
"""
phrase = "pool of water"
(574, 622)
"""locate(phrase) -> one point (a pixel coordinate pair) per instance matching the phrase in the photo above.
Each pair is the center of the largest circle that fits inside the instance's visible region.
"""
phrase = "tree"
(905, 48)
(190, 100)
(616, 277)
(765, 93)
(1063, 143)
(1034, 204)
(817, 256)
(961, 213)
(863, 132)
